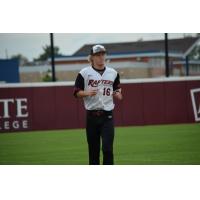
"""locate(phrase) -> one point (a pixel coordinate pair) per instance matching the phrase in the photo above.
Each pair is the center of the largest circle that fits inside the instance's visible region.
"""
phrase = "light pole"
(166, 56)
(52, 58)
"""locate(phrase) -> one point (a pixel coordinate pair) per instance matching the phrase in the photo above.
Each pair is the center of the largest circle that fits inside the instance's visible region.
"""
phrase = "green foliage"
(47, 53)
(22, 59)
(48, 77)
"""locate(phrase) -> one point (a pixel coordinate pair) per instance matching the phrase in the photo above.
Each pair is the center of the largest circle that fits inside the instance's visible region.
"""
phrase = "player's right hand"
(91, 93)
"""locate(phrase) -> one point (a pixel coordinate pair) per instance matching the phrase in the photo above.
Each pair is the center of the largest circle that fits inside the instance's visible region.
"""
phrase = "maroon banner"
(46, 107)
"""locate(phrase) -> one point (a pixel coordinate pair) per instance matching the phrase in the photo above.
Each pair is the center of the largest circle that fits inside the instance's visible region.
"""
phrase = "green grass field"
(165, 144)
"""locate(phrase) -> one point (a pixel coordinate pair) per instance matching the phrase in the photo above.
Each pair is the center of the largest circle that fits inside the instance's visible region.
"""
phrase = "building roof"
(181, 46)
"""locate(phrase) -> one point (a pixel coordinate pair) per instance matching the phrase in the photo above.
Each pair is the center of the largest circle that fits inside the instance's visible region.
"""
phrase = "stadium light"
(52, 58)
(166, 56)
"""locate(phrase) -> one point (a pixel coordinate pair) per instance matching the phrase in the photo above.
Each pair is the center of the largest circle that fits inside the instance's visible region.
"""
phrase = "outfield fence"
(46, 106)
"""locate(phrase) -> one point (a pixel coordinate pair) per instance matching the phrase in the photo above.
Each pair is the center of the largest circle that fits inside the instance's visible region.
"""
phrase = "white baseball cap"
(97, 48)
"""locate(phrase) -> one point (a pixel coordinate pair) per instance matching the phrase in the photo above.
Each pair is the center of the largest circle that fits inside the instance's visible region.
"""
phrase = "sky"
(30, 44)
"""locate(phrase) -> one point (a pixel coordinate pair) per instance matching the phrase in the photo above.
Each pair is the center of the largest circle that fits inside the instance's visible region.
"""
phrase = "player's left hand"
(117, 94)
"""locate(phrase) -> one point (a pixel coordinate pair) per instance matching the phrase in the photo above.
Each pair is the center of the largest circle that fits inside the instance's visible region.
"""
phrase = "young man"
(97, 85)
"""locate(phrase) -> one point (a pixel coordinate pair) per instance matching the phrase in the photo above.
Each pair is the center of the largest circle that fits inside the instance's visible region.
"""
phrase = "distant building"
(140, 59)
(9, 71)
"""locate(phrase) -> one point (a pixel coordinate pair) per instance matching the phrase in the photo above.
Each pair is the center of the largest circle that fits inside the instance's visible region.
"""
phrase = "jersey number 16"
(106, 91)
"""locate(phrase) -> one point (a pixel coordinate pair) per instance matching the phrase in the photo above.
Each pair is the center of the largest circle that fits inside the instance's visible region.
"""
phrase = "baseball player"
(97, 84)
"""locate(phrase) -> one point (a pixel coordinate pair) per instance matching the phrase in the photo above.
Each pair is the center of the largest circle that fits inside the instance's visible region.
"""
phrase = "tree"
(47, 53)
(48, 76)
(22, 59)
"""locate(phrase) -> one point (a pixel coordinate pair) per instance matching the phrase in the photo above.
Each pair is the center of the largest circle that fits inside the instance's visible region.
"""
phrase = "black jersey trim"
(79, 84)
(116, 84)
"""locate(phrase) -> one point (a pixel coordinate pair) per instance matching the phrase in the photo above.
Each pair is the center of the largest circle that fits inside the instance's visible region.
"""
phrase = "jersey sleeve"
(79, 84)
(116, 84)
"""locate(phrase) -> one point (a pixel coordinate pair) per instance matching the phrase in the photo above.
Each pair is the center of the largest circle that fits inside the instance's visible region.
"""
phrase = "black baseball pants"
(100, 130)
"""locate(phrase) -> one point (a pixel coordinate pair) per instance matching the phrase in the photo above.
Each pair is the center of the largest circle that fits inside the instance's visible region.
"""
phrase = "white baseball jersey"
(104, 84)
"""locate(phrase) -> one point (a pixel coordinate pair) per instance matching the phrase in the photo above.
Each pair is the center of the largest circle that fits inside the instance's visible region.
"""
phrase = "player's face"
(99, 59)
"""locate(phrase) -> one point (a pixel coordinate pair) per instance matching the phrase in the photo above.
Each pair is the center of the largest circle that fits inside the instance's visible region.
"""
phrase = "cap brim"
(98, 52)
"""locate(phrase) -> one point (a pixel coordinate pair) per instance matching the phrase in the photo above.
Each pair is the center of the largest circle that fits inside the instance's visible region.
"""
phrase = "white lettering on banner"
(195, 102)
(5, 106)
(6, 125)
(20, 108)
(15, 121)
(25, 124)
(15, 124)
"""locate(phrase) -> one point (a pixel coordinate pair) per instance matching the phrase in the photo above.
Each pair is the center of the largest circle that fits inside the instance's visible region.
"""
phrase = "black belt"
(99, 112)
